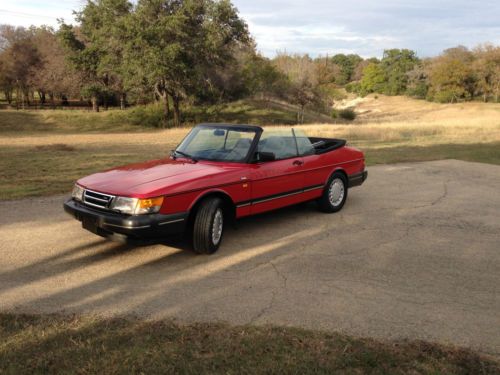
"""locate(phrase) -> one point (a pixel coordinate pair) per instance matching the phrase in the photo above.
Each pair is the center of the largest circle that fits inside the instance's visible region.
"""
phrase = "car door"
(280, 182)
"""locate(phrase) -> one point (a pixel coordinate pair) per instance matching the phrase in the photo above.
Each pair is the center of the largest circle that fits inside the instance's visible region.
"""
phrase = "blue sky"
(321, 27)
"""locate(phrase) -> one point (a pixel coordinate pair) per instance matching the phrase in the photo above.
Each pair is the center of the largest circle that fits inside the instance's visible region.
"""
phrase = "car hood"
(164, 176)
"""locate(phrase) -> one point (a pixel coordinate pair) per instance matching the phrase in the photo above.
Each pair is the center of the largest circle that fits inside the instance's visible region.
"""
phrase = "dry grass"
(398, 121)
(390, 130)
(85, 345)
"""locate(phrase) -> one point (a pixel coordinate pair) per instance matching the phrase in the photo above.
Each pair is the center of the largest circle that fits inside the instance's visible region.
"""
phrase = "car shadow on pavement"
(158, 279)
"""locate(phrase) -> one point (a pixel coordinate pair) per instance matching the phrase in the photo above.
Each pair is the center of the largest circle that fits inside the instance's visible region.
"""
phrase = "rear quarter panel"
(318, 168)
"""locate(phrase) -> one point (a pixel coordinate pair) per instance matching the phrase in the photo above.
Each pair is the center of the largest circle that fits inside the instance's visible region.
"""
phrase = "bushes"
(345, 114)
(145, 115)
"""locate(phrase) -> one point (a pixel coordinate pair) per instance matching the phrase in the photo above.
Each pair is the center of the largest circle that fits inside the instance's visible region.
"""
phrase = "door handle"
(298, 162)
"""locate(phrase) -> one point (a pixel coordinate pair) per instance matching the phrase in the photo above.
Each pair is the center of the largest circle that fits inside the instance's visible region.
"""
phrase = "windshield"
(218, 143)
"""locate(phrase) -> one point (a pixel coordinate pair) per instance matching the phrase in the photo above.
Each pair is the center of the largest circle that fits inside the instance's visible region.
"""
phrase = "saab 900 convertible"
(217, 173)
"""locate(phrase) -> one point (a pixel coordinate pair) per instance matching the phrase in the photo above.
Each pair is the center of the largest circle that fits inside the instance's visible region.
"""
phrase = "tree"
(95, 48)
(418, 81)
(357, 75)
(52, 76)
(303, 88)
(486, 68)
(19, 56)
(451, 77)
(346, 65)
(103, 26)
(396, 64)
(374, 79)
(173, 45)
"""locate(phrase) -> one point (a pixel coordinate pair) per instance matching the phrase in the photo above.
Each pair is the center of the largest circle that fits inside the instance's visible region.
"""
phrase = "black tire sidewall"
(203, 226)
(325, 204)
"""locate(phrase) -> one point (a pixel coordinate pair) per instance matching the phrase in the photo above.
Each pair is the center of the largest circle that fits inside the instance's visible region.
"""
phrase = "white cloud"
(367, 27)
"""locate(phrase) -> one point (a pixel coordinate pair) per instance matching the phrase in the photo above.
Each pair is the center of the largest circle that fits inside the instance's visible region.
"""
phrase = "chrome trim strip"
(106, 203)
(171, 222)
(96, 192)
(127, 227)
(257, 201)
(279, 197)
(97, 199)
(243, 205)
(94, 205)
(314, 188)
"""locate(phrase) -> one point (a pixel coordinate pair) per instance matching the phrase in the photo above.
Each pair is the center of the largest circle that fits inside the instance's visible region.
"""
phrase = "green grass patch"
(52, 169)
(258, 112)
(140, 118)
(476, 152)
(68, 345)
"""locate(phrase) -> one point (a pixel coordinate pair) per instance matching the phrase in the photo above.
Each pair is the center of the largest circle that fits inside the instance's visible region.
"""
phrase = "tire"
(335, 194)
(208, 226)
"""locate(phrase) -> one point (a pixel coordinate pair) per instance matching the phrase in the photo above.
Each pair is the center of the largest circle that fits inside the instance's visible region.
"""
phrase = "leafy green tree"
(396, 64)
(96, 48)
(374, 79)
(103, 25)
(262, 78)
(346, 64)
(173, 44)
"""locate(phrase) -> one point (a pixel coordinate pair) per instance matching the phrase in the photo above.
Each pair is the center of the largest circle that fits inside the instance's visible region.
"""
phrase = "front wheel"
(208, 226)
(335, 194)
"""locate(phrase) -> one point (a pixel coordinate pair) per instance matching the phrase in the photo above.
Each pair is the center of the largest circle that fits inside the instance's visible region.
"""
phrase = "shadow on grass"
(53, 344)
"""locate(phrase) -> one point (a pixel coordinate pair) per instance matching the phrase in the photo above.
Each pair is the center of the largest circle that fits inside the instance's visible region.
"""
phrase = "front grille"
(99, 200)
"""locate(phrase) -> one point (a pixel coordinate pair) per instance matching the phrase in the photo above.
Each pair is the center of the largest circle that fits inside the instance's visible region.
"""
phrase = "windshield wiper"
(183, 154)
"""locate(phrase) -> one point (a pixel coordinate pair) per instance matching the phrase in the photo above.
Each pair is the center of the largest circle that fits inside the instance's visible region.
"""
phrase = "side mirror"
(265, 156)
(219, 133)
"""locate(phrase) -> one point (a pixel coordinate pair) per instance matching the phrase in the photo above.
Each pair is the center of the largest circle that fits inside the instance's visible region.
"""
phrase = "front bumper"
(107, 224)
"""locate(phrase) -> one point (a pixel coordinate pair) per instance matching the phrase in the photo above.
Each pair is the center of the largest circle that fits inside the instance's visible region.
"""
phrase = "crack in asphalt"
(268, 307)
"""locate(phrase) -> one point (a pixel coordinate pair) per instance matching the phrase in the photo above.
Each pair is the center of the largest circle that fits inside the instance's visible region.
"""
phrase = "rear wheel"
(208, 226)
(335, 194)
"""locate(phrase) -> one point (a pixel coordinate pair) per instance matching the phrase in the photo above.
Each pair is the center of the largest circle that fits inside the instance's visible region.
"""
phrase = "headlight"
(77, 192)
(135, 206)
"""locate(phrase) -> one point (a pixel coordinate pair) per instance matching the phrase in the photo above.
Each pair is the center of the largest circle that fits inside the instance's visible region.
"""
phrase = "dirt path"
(415, 253)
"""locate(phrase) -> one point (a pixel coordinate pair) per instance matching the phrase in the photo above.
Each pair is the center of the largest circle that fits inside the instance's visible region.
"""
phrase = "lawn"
(68, 345)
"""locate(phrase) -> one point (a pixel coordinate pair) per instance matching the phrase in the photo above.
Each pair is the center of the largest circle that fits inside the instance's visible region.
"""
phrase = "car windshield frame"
(182, 147)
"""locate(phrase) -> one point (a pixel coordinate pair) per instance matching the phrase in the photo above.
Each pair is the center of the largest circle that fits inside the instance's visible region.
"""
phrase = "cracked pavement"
(414, 254)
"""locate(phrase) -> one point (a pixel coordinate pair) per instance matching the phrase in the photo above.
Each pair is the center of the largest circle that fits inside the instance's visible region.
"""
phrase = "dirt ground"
(414, 254)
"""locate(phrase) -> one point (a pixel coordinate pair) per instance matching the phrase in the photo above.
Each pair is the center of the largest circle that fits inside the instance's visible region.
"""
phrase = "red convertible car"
(217, 173)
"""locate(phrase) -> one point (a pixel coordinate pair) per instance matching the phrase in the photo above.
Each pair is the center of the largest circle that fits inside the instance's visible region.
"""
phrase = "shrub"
(347, 114)
(145, 115)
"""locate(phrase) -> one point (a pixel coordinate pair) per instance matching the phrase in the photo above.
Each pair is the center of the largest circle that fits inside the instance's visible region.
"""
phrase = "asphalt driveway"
(415, 253)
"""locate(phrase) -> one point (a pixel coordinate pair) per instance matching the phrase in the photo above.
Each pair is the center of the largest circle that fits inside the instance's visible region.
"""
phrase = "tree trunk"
(177, 111)
(41, 94)
(52, 100)
(123, 101)
(95, 104)
(23, 100)
(8, 96)
(166, 109)
(18, 95)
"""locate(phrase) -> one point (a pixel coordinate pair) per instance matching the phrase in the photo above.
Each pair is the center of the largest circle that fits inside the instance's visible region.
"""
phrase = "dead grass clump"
(56, 147)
